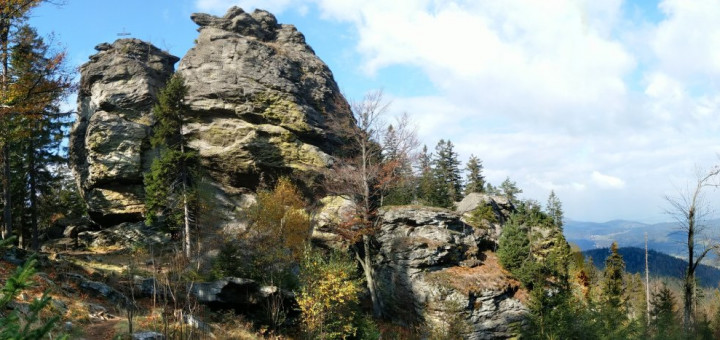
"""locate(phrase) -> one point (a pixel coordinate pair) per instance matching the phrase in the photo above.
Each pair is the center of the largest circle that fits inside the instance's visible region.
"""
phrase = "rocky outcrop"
(109, 148)
(245, 296)
(261, 100)
(261, 103)
(431, 268)
(488, 212)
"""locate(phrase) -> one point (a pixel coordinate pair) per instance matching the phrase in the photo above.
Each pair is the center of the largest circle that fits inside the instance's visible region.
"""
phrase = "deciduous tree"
(689, 209)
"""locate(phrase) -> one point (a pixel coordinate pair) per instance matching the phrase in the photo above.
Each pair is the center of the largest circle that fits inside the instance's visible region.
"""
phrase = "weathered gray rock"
(99, 289)
(244, 295)
(499, 207)
(262, 101)
(333, 211)
(148, 335)
(431, 266)
(123, 235)
(109, 148)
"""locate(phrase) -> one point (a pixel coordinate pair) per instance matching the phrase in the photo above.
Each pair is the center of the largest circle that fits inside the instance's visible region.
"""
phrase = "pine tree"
(169, 186)
(613, 292)
(29, 83)
(475, 179)
(446, 167)
(426, 187)
(510, 189)
(554, 210)
(36, 155)
(664, 321)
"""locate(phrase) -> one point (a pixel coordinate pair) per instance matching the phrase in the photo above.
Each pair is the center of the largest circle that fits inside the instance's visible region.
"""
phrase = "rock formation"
(261, 100)
(431, 268)
(261, 103)
(109, 146)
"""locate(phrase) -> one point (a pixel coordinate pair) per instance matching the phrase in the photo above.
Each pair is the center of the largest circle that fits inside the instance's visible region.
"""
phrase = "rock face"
(109, 144)
(261, 100)
(431, 267)
(478, 209)
(261, 103)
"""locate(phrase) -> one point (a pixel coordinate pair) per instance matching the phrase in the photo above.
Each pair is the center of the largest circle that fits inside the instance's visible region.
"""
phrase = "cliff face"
(261, 100)
(433, 269)
(261, 103)
(109, 145)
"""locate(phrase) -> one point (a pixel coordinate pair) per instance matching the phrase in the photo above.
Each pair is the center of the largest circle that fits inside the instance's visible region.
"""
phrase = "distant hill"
(660, 264)
(663, 237)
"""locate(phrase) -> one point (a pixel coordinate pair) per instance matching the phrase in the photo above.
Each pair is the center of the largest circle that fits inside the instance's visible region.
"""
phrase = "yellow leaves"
(280, 215)
(328, 296)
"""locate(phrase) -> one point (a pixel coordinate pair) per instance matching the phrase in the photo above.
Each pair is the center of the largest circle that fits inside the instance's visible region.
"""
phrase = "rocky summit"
(109, 143)
(261, 100)
(261, 103)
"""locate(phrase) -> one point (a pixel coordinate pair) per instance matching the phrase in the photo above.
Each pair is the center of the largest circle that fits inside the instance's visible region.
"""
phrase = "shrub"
(328, 295)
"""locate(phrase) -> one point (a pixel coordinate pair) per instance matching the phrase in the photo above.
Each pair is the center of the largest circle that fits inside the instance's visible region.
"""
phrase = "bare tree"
(355, 177)
(690, 210)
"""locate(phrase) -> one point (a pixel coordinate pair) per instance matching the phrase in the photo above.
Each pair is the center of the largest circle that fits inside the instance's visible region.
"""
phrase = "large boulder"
(431, 267)
(262, 102)
(109, 145)
(489, 212)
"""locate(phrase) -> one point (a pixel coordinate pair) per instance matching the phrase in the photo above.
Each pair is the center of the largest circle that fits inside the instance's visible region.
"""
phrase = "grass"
(490, 275)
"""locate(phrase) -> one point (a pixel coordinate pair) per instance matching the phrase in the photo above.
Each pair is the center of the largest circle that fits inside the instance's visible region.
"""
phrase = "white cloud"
(563, 95)
(607, 181)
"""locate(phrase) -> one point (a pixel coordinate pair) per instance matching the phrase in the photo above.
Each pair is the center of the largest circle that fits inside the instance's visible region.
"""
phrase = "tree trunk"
(366, 265)
(689, 287)
(7, 208)
(647, 282)
(32, 174)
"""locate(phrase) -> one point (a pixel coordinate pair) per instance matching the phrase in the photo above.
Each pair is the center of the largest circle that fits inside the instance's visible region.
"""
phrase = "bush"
(12, 326)
(328, 296)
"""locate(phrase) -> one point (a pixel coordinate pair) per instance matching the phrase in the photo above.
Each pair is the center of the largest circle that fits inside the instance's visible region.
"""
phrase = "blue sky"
(613, 104)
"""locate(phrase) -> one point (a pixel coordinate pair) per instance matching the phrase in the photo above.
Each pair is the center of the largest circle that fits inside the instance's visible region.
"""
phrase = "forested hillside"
(661, 265)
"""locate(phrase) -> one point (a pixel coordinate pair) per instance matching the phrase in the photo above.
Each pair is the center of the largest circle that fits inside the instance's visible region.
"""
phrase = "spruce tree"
(510, 189)
(554, 210)
(475, 180)
(446, 168)
(663, 317)
(614, 311)
(426, 182)
(31, 78)
(169, 184)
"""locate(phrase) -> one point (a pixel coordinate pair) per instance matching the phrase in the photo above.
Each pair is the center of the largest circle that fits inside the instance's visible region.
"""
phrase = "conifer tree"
(664, 320)
(510, 189)
(475, 179)
(169, 186)
(426, 187)
(613, 292)
(446, 167)
(38, 154)
(24, 91)
(554, 210)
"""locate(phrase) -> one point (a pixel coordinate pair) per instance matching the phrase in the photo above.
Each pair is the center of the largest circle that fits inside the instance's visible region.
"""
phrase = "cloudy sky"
(613, 104)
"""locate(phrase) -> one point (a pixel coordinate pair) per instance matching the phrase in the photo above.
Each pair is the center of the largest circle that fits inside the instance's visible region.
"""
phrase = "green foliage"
(447, 174)
(168, 112)
(663, 318)
(475, 180)
(513, 246)
(163, 188)
(272, 247)
(30, 327)
(482, 215)
(554, 209)
(510, 189)
(328, 296)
